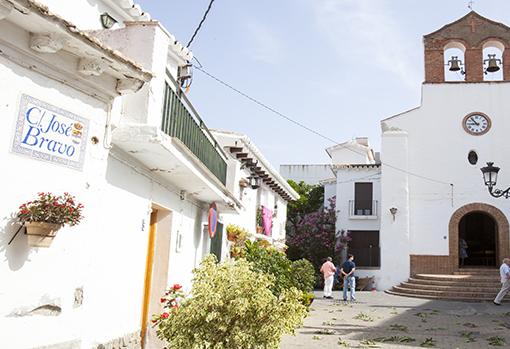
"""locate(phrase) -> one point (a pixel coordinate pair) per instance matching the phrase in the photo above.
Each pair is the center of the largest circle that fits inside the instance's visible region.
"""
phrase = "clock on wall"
(476, 124)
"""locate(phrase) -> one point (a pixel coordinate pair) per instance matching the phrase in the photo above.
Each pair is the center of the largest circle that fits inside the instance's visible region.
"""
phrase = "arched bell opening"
(493, 51)
(454, 58)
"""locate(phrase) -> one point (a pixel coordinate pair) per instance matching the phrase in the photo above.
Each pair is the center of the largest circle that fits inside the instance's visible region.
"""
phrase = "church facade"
(432, 155)
(409, 208)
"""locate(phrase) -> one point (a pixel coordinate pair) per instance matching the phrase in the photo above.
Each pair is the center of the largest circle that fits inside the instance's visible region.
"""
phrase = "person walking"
(328, 269)
(504, 272)
(347, 271)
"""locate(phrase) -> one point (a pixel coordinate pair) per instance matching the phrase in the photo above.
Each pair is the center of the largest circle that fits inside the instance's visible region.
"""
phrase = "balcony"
(180, 120)
(363, 209)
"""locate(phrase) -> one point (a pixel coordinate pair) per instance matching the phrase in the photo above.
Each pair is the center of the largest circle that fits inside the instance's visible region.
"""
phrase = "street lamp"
(490, 178)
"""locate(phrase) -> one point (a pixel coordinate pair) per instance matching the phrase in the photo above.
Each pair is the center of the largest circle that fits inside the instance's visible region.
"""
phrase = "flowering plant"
(170, 302)
(51, 208)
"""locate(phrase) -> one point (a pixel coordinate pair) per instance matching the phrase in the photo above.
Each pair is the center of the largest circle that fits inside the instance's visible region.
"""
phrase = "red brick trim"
(428, 264)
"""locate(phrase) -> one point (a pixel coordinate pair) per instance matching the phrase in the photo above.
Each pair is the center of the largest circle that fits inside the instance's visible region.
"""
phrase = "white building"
(427, 192)
(272, 192)
(146, 168)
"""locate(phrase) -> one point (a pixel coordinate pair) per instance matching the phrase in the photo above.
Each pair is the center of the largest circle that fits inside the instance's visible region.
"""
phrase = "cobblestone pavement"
(379, 320)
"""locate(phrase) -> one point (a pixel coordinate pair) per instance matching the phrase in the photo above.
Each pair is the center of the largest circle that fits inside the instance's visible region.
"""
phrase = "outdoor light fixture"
(493, 64)
(185, 75)
(490, 178)
(393, 212)
(107, 21)
(455, 65)
(254, 182)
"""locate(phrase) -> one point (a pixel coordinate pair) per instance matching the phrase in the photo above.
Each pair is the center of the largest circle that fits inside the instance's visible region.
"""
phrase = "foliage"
(232, 307)
(314, 238)
(307, 298)
(303, 275)
(235, 233)
(49, 208)
(311, 199)
(173, 296)
(259, 219)
(271, 261)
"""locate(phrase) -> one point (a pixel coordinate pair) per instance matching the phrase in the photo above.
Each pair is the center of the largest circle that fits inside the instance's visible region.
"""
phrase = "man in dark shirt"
(347, 271)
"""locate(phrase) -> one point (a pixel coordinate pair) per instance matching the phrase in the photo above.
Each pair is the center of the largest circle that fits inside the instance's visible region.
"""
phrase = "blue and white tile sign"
(51, 134)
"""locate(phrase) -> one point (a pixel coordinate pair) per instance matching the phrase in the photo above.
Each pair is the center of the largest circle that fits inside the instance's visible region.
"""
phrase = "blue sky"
(337, 66)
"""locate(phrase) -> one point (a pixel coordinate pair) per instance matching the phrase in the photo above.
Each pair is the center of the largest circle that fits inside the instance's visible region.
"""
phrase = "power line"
(265, 106)
(200, 24)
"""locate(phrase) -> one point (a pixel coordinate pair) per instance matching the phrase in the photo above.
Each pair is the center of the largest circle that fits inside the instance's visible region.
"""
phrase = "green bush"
(271, 261)
(303, 275)
(232, 307)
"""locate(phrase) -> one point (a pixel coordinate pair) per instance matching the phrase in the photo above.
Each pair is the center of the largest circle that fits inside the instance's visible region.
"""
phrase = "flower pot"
(41, 234)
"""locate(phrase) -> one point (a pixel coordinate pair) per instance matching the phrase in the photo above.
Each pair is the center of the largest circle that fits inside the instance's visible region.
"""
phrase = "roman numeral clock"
(476, 124)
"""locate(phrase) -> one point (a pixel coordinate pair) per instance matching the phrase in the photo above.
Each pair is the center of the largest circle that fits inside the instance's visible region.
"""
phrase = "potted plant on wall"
(260, 222)
(45, 215)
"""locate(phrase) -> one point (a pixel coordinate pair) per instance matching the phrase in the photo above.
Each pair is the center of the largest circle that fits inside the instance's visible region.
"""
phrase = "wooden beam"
(236, 149)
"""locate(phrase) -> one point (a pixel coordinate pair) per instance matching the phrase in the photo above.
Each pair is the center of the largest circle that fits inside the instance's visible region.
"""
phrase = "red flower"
(24, 211)
(162, 300)
(55, 203)
(71, 209)
(165, 315)
(176, 287)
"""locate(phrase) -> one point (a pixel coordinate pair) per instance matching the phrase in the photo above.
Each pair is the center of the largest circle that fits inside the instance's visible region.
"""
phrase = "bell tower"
(481, 51)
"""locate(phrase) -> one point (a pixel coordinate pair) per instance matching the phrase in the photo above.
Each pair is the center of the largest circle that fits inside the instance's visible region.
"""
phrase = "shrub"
(232, 307)
(271, 261)
(303, 275)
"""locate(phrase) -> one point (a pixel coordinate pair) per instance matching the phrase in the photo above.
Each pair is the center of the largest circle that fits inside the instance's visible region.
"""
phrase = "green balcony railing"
(180, 120)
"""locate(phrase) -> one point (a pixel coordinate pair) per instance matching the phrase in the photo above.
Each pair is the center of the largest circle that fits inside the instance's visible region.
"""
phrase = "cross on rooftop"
(473, 22)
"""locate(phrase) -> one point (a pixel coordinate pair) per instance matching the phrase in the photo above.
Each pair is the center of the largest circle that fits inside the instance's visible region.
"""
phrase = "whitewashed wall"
(438, 148)
(105, 255)
(310, 174)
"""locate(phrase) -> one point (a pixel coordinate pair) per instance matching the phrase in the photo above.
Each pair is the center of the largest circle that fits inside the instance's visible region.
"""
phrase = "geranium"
(170, 301)
(51, 208)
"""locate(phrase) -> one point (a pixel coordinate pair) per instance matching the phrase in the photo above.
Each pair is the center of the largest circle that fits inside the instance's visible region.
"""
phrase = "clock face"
(476, 124)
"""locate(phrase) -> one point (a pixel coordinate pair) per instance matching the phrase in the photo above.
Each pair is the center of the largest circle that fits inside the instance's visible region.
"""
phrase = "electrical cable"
(265, 106)
(200, 24)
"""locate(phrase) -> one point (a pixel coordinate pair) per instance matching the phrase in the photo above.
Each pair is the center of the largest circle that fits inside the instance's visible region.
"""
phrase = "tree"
(315, 237)
(311, 199)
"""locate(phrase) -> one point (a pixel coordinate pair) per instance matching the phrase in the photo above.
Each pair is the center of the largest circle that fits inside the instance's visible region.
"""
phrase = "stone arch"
(502, 226)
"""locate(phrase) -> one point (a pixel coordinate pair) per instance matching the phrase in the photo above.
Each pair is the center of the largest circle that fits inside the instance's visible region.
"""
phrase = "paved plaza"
(379, 320)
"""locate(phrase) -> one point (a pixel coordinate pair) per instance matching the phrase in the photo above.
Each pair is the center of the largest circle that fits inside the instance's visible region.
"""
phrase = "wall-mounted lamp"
(254, 182)
(393, 212)
(107, 21)
(185, 75)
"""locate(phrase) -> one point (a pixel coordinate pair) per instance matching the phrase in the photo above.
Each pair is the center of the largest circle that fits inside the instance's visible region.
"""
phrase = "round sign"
(212, 220)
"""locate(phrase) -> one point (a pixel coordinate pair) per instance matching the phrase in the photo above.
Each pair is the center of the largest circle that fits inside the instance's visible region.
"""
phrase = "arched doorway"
(477, 240)
(501, 231)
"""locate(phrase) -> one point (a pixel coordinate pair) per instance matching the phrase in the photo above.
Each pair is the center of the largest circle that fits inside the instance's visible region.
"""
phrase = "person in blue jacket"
(347, 272)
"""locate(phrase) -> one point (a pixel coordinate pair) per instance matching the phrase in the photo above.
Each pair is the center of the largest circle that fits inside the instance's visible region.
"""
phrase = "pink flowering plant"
(50, 208)
(170, 301)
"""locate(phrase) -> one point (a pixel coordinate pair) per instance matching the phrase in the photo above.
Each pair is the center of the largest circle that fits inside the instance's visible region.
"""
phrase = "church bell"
(492, 66)
(455, 63)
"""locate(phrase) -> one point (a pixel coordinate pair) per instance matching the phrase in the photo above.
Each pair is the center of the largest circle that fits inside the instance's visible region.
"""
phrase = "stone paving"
(380, 320)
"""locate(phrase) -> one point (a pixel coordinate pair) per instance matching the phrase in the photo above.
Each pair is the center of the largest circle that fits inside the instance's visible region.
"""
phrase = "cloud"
(263, 45)
(367, 32)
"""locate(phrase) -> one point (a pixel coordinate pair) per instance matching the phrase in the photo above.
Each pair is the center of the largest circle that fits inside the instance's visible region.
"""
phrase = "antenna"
(470, 5)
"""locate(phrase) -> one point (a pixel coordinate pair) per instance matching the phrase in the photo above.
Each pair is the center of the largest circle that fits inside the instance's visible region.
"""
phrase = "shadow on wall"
(17, 253)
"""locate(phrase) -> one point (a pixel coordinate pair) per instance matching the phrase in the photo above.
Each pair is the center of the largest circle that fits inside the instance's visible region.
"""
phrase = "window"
(363, 203)
(365, 248)
(472, 157)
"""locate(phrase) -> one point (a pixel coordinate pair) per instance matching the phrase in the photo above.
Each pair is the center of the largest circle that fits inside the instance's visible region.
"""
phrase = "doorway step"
(473, 285)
